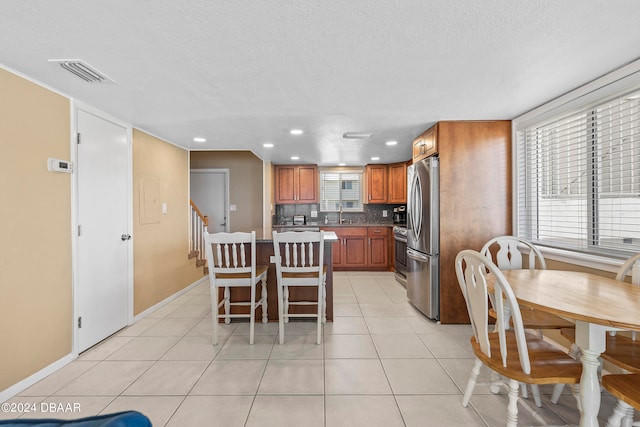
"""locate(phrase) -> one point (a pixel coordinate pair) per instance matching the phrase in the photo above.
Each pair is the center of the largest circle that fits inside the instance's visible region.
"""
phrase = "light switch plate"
(233, 208)
(384, 213)
(314, 214)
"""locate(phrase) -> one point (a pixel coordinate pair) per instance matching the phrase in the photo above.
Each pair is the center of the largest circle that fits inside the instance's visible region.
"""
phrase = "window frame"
(624, 79)
(342, 171)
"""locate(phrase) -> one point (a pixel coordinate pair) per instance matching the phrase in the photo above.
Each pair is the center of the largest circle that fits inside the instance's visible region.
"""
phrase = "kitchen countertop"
(332, 225)
(260, 238)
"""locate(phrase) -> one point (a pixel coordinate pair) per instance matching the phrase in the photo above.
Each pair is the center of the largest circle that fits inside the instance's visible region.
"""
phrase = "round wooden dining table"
(597, 304)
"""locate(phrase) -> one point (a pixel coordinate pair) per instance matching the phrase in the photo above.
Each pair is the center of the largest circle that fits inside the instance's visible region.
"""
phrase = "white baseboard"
(167, 300)
(50, 369)
(32, 379)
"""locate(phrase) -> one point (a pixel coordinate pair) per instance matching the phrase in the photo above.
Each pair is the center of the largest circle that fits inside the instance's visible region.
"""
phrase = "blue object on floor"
(120, 419)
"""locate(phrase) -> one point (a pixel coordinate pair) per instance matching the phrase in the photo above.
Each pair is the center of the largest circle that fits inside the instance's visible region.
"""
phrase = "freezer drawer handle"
(417, 256)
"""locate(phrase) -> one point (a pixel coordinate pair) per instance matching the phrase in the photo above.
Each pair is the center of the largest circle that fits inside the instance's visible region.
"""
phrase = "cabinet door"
(355, 251)
(337, 249)
(285, 184)
(398, 183)
(426, 144)
(307, 184)
(376, 183)
(378, 247)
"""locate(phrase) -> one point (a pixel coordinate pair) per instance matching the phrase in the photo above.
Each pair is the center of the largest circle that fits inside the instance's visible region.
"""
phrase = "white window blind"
(340, 189)
(579, 178)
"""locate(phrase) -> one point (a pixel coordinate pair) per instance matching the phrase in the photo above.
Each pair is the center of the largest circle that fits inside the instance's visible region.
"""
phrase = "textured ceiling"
(243, 73)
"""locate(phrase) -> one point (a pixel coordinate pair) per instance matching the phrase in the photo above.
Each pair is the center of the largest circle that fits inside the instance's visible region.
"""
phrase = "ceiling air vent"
(357, 135)
(83, 70)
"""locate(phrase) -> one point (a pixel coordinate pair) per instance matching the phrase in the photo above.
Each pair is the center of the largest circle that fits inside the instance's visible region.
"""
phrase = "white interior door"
(209, 191)
(102, 288)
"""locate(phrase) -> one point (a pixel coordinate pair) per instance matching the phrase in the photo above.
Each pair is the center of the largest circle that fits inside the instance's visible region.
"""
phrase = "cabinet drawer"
(377, 231)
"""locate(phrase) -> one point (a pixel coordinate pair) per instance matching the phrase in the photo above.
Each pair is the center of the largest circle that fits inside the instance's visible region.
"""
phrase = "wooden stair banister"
(198, 226)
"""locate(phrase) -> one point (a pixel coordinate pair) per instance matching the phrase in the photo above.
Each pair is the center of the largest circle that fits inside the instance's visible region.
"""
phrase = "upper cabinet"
(397, 183)
(376, 183)
(296, 184)
(426, 144)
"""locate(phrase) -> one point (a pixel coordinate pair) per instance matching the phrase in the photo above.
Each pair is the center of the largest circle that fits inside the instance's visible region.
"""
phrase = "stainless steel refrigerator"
(423, 236)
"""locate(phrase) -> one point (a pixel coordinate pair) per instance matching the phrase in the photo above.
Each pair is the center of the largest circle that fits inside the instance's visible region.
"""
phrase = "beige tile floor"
(381, 363)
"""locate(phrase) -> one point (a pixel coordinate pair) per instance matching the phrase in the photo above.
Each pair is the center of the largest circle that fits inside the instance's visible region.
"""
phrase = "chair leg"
(324, 302)
(627, 421)
(471, 383)
(280, 313)
(512, 407)
(252, 313)
(265, 318)
(227, 305)
(286, 304)
(320, 314)
(535, 391)
(619, 412)
(495, 383)
(557, 392)
(214, 314)
(524, 391)
(575, 390)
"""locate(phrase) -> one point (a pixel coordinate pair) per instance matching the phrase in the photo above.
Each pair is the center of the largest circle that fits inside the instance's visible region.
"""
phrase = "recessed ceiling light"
(296, 131)
(357, 135)
(391, 142)
(295, 158)
(342, 164)
(267, 145)
(199, 139)
(375, 158)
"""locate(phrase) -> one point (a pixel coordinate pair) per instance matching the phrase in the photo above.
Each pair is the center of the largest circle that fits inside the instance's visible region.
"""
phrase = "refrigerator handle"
(417, 255)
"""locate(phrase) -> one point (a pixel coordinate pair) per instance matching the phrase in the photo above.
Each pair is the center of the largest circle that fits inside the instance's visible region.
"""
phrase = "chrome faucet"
(340, 219)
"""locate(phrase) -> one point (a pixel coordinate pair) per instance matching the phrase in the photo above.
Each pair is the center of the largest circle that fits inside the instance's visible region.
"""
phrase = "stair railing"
(198, 226)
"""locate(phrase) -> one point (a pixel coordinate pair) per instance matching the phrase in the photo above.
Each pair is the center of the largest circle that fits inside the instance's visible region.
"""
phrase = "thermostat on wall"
(57, 165)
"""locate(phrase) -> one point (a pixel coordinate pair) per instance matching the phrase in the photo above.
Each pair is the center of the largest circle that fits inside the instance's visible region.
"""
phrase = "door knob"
(125, 237)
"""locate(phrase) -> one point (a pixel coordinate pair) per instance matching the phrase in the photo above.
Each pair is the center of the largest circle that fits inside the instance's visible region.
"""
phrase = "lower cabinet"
(361, 248)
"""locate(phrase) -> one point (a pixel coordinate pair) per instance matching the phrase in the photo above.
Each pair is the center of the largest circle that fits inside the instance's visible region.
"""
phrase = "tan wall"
(245, 184)
(160, 241)
(35, 225)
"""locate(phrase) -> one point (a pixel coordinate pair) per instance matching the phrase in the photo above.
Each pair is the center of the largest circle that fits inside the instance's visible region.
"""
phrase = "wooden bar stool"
(229, 266)
(299, 259)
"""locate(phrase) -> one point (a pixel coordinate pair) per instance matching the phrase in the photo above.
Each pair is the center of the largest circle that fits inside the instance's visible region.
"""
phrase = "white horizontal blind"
(340, 189)
(579, 178)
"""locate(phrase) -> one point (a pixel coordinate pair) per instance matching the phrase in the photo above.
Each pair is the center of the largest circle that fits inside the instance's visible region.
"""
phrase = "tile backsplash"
(372, 214)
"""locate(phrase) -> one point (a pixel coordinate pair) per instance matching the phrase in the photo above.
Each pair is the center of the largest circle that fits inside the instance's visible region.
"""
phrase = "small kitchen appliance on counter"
(299, 220)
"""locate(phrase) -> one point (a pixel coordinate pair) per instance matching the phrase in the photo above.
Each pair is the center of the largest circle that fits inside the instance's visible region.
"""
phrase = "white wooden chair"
(624, 352)
(299, 259)
(508, 252)
(626, 388)
(231, 259)
(512, 353)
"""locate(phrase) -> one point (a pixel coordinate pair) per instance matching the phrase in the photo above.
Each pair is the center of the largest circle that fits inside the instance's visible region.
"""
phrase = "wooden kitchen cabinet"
(376, 183)
(426, 144)
(378, 239)
(296, 184)
(397, 183)
(360, 248)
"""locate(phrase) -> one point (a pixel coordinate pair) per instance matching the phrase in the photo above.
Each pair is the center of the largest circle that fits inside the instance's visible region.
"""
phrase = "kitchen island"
(264, 251)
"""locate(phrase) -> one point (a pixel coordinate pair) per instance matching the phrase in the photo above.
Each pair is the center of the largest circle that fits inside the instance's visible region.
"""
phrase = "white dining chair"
(507, 253)
(299, 259)
(624, 352)
(517, 356)
(231, 260)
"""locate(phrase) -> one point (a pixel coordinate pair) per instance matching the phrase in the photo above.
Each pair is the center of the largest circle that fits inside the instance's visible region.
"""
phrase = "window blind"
(340, 189)
(579, 178)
